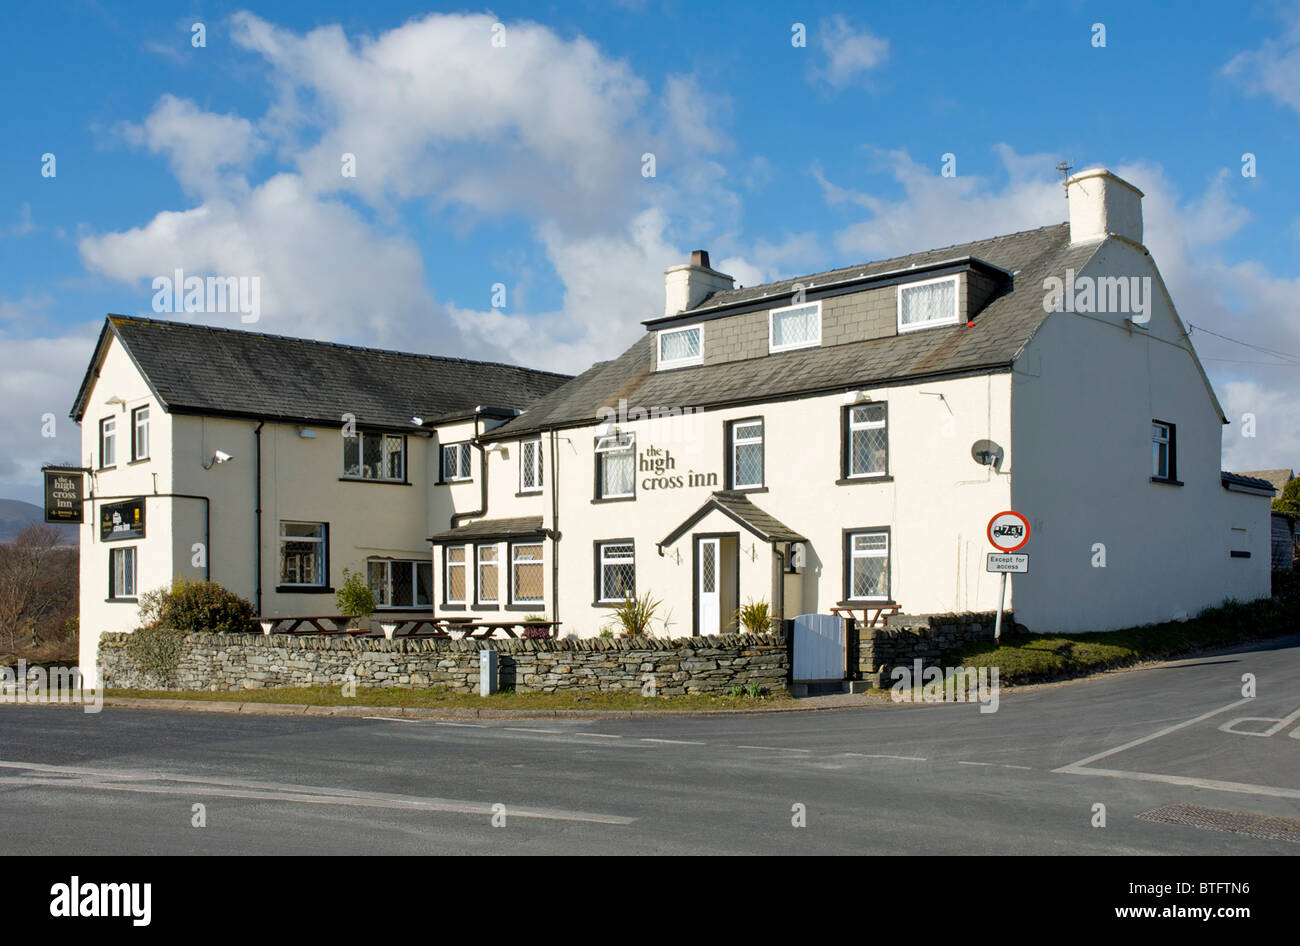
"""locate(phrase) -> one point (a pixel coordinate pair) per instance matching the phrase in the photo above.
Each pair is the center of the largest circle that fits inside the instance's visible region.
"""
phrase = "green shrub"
(755, 617)
(195, 606)
(354, 598)
(634, 615)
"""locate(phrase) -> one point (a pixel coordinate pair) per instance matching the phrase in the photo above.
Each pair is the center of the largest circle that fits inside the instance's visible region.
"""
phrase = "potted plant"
(355, 601)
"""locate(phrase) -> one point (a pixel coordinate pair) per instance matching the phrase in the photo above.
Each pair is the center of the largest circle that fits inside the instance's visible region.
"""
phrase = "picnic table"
(407, 628)
(871, 613)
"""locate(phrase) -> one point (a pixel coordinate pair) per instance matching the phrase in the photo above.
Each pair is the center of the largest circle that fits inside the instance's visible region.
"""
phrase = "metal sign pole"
(1002, 597)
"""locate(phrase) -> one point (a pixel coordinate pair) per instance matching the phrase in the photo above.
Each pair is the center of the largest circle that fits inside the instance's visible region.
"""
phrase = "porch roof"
(483, 529)
(738, 507)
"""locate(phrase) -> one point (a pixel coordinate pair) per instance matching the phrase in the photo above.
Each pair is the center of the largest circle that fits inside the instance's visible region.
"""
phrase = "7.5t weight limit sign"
(1008, 532)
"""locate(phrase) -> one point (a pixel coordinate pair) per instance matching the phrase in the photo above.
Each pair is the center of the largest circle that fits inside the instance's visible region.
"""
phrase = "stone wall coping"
(118, 639)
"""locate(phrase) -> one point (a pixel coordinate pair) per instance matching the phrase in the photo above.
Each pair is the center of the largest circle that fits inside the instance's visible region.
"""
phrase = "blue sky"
(522, 165)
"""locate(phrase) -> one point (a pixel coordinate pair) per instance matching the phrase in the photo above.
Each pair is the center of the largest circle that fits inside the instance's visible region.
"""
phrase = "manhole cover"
(1264, 827)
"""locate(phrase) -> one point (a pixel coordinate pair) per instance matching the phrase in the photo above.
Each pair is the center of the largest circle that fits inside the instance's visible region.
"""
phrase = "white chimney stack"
(1103, 205)
(687, 285)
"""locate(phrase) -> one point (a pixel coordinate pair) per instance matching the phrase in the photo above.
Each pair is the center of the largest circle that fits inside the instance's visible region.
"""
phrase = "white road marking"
(675, 742)
(168, 783)
(599, 735)
(1082, 766)
(1155, 735)
(1025, 767)
(464, 725)
(392, 719)
(549, 732)
(905, 758)
(774, 748)
(1279, 724)
(977, 763)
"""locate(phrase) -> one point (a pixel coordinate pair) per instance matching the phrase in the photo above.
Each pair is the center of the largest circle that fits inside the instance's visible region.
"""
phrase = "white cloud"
(850, 52)
(547, 130)
(1273, 68)
(201, 146)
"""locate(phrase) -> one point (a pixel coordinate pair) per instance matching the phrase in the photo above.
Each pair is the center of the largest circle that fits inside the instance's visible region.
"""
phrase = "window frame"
(414, 564)
(698, 359)
(120, 552)
(772, 347)
(846, 443)
(465, 445)
(447, 565)
(383, 435)
(526, 603)
(479, 600)
(917, 284)
(729, 460)
(110, 435)
(136, 426)
(1171, 444)
(601, 453)
(850, 557)
(324, 540)
(540, 473)
(600, 561)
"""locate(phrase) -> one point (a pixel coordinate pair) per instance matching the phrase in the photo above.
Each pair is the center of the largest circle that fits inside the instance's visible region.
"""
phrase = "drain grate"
(1264, 827)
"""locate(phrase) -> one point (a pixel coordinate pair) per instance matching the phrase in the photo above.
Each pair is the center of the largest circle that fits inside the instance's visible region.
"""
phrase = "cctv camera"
(221, 456)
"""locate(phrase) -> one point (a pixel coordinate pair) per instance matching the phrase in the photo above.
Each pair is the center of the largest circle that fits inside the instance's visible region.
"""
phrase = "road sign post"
(1007, 532)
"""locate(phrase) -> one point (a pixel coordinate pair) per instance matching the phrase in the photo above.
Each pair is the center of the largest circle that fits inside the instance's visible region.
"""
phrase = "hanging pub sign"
(63, 486)
(122, 520)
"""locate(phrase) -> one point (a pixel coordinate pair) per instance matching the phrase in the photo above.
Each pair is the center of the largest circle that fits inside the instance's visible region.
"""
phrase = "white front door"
(709, 563)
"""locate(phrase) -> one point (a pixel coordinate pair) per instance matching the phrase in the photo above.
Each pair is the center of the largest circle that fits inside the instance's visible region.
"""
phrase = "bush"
(354, 598)
(634, 615)
(196, 606)
(1289, 501)
(756, 617)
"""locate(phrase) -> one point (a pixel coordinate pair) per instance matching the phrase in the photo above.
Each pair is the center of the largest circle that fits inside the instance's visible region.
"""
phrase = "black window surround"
(1172, 479)
(728, 460)
(597, 600)
(597, 495)
(846, 553)
(324, 589)
(479, 603)
(113, 554)
(846, 448)
(461, 604)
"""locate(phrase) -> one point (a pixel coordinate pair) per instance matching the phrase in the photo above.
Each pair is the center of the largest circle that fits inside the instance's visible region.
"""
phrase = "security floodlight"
(417, 421)
(856, 397)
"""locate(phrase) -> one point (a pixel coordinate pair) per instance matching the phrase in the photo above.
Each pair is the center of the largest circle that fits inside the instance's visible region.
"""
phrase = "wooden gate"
(818, 647)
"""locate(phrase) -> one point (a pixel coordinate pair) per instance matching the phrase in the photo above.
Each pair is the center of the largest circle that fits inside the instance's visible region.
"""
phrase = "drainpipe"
(257, 502)
(555, 528)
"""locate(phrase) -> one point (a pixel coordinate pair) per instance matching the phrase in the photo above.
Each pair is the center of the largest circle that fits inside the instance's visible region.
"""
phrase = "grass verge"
(439, 698)
(1034, 658)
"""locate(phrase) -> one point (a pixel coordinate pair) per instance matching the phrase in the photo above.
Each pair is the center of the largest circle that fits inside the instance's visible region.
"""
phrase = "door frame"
(695, 578)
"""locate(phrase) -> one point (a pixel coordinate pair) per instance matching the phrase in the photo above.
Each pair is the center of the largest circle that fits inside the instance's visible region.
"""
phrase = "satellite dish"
(986, 453)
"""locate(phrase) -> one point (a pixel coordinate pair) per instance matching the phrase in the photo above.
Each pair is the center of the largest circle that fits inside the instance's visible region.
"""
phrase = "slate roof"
(1241, 479)
(1279, 478)
(1000, 331)
(738, 507)
(491, 529)
(200, 369)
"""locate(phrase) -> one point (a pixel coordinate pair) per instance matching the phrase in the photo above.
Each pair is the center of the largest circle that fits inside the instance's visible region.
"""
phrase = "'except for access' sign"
(1008, 531)
(1008, 562)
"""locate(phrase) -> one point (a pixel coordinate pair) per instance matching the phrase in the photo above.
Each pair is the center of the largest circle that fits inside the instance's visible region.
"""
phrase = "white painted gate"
(818, 647)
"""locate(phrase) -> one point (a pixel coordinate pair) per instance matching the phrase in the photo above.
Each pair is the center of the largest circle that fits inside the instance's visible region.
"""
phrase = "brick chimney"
(1102, 205)
(687, 285)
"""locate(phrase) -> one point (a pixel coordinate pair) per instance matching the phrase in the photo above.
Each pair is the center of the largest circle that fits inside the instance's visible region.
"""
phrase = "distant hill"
(15, 515)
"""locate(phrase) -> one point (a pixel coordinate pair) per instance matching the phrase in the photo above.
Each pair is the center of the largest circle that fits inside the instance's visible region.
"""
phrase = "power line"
(1294, 359)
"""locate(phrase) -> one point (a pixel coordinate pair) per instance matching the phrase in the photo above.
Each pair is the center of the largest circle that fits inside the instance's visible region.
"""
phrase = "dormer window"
(796, 326)
(927, 304)
(679, 347)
